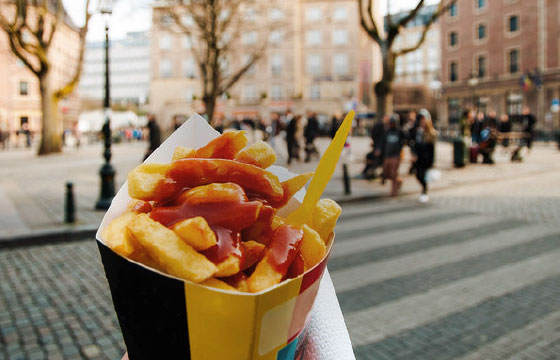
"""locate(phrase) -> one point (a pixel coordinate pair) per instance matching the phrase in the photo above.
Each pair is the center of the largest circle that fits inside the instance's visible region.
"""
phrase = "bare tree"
(31, 26)
(384, 88)
(214, 29)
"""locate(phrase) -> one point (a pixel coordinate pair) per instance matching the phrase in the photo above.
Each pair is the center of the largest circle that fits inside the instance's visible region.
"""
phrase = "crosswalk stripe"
(399, 236)
(371, 325)
(531, 338)
(373, 272)
(411, 283)
(454, 236)
(368, 226)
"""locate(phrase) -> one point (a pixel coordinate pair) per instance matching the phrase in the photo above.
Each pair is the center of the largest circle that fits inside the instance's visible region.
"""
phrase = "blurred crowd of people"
(390, 136)
(484, 131)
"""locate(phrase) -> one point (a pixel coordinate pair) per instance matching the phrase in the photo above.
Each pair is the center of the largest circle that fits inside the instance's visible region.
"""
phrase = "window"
(480, 4)
(453, 71)
(481, 65)
(276, 92)
(249, 92)
(276, 37)
(188, 68)
(513, 23)
(314, 63)
(19, 63)
(339, 13)
(165, 42)
(453, 39)
(23, 88)
(513, 61)
(186, 42)
(340, 37)
(250, 14)
(313, 14)
(276, 14)
(189, 94)
(276, 64)
(453, 10)
(247, 59)
(165, 68)
(340, 62)
(23, 120)
(166, 20)
(187, 20)
(249, 38)
(315, 92)
(481, 32)
(313, 37)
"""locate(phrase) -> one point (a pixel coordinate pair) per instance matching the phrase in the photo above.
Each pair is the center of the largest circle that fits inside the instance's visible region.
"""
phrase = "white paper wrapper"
(326, 326)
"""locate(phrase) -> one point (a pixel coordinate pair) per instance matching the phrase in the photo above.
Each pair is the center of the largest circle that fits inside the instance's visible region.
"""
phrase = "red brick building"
(501, 55)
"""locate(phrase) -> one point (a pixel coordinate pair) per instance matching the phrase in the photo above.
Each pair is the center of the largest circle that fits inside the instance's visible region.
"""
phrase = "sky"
(135, 15)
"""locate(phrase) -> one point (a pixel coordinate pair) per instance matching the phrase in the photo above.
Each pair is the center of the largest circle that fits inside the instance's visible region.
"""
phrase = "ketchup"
(229, 243)
(284, 247)
(234, 216)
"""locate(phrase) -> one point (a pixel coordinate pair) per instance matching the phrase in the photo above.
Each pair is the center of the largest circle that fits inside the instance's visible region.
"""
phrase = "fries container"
(163, 317)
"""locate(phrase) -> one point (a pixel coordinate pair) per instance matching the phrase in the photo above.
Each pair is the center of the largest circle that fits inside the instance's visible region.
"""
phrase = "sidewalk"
(32, 188)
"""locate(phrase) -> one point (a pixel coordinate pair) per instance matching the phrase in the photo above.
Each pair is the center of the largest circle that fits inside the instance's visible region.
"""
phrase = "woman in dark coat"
(424, 148)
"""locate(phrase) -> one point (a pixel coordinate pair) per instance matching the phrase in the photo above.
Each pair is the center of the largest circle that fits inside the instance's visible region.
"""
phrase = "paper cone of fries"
(164, 316)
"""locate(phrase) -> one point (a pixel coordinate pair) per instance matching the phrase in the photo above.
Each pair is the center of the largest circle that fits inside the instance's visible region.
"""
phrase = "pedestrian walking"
(424, 146)
(291, 138)
(310, 133)
(336, 121)
(505, 128)
(154, 136)
(410, 135)
(528, 120)
(393, 143)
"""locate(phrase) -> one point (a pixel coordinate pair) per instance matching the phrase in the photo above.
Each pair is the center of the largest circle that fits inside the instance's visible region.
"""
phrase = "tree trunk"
(210, 104)
(51, 134)
(384, 88)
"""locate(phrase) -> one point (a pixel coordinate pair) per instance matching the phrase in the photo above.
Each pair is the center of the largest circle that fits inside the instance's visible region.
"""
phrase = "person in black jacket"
(310, 133)
(393, 143)
(424, 150)
(154, 136)
(528, 120)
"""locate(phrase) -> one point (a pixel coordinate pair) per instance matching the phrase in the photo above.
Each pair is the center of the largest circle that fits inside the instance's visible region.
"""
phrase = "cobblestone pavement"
(32, 189)
(462, 277)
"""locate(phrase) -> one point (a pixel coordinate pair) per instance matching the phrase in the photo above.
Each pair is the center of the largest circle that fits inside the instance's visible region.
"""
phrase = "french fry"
(238, 281)
(196, 232)
(144, 179)
(169, 251)
(117, 236)
(253, 253)
(218, 284)
(230, 266)
(190, 173)
(325, 215)
(276, 221)
(259, 154)
(313, 248)
(183, 152)
(282, 250)
(139, 206)
(225, 146)
(291, 186)
(212, 194)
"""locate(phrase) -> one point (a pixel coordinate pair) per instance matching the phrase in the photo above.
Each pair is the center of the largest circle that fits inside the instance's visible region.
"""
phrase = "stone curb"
(48, 237)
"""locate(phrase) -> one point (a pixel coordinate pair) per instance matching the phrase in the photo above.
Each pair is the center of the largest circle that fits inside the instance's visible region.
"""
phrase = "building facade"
(20, 100)
(317, 58)
(501, 56)
(129, 70)
(417, 74)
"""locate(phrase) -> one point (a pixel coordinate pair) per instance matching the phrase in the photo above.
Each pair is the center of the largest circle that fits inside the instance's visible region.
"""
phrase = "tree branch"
(371, 28)
(441, 10)
(70, 85)
(411, 15)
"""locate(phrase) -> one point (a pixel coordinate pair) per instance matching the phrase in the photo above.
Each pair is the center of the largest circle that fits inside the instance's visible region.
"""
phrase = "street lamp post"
(473, 83)
(107, 172)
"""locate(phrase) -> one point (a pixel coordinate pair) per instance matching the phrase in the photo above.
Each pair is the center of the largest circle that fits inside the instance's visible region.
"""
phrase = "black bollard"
(69, 207)
(346, 178)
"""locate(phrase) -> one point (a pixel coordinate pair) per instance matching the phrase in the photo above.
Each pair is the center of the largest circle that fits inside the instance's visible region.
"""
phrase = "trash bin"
(459, 151)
